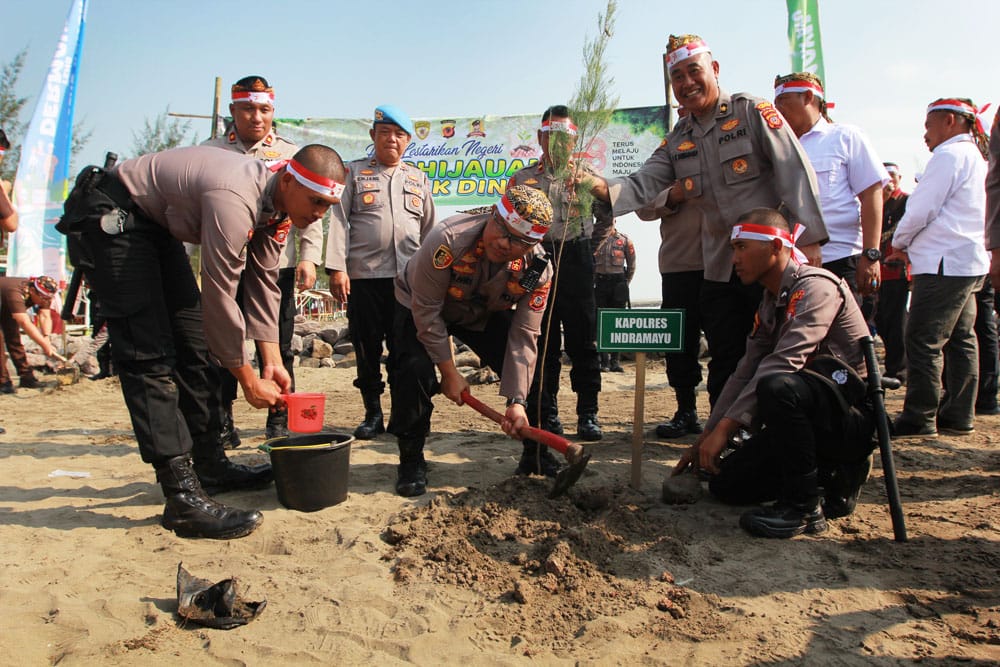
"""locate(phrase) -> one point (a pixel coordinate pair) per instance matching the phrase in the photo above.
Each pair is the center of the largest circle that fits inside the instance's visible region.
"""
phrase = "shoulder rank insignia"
(730, 124)
(756, 324)
(723, 108)
(770, 115)
(269, 139)
(232, 137)
(442, 257)
(663, 143)
(685, 146)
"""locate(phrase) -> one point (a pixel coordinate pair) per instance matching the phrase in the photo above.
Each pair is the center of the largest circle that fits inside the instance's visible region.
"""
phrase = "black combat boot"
(605, 362)
(797, 511)
(218, 474)
(587, 427)
(550, 414)
(685, 420)
(536, 459)
(277, 423)
(411, 475)
(229, 438)
(615, 364)
(189, 511)
(842, 484)
(373, 423)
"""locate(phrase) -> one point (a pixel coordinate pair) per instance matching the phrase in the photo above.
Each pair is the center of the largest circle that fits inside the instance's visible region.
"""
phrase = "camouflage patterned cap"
(526, 211)
(682, 47)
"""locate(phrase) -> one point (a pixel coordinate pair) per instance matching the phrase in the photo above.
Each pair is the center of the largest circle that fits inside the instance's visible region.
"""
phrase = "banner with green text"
(804, 38)
(470, 160)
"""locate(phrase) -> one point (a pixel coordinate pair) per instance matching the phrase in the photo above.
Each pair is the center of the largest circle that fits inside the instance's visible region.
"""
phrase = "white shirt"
(945, 216)
(846, 165)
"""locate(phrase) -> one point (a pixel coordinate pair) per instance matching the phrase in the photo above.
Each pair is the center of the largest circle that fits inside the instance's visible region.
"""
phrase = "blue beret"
(388, 113)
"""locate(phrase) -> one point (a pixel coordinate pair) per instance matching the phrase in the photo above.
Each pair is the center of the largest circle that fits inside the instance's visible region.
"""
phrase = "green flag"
(803, 37)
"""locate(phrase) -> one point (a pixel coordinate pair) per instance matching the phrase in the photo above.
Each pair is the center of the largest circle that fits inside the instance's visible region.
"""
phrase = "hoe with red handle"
(574, 453)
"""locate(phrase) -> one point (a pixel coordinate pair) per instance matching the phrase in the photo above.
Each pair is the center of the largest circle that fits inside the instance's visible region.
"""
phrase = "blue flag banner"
(43, 174)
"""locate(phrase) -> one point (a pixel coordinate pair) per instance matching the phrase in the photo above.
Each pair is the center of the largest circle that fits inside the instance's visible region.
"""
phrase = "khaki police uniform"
(614, 267)
(160, 340)
(384, 214)
(570, 243)
(804, 419)
(742, 157)
(273, 150)
(450, 287)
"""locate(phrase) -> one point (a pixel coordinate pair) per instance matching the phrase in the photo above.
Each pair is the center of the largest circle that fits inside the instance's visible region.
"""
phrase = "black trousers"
(682, 289)
(890, 322)
(370, 315)
(986, 336)
(286, 329)
(610, 290)
(804, 428)
(727, 312)
(570, 318)
(847, 268)
(412, 378)
(149, 296)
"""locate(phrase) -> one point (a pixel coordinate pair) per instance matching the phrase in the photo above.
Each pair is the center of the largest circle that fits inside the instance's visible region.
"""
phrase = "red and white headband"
(254, 97)
(559, 126)
(516, 222)
(313, 181)
(958, 106)
(766, 233)
(686, 51)
(2, 151)
(41, 288)
(799, 86)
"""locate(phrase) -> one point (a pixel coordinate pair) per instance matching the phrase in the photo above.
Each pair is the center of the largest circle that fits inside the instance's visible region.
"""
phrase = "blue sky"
(885, 60)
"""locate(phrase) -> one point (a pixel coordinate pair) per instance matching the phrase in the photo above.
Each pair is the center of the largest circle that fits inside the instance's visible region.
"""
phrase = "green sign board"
(640, 330)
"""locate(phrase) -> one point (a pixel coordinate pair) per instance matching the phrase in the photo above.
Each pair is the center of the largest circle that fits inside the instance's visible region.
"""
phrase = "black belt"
(609, 276)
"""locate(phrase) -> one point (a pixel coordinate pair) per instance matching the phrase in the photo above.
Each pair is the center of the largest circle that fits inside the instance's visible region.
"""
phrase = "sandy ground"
(485, 569)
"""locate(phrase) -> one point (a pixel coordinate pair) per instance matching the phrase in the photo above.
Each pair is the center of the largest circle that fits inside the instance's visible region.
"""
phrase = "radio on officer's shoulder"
(531, 276)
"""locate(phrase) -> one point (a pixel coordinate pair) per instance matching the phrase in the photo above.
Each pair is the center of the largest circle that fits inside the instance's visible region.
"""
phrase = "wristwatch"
(872, 254)
(518, 401)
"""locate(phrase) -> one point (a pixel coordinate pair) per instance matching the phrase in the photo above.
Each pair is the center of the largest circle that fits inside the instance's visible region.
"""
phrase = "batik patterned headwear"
(526, 211)
(45, 285)
(767, 233)
(257, 92)
(683, 47)
(968, 110)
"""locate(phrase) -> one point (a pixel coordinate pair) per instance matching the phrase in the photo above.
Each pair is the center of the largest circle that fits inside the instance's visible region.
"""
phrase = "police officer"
(17, 296)
(385, 213)
(731, 153)
(801, 381)
(130, 223)
(614, 268)
(252, 133)
(572, 309)
(681, 276)
(465, 281)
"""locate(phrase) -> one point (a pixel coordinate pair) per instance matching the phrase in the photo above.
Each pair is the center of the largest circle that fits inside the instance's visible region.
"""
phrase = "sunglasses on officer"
(512, 239)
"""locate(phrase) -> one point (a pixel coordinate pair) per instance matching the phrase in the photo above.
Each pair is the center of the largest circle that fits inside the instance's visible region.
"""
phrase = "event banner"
(804, 39)
(470, 160)
(42, 181)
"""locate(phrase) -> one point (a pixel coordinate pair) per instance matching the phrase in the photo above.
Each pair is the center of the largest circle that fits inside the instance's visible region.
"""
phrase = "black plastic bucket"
(310, 471)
